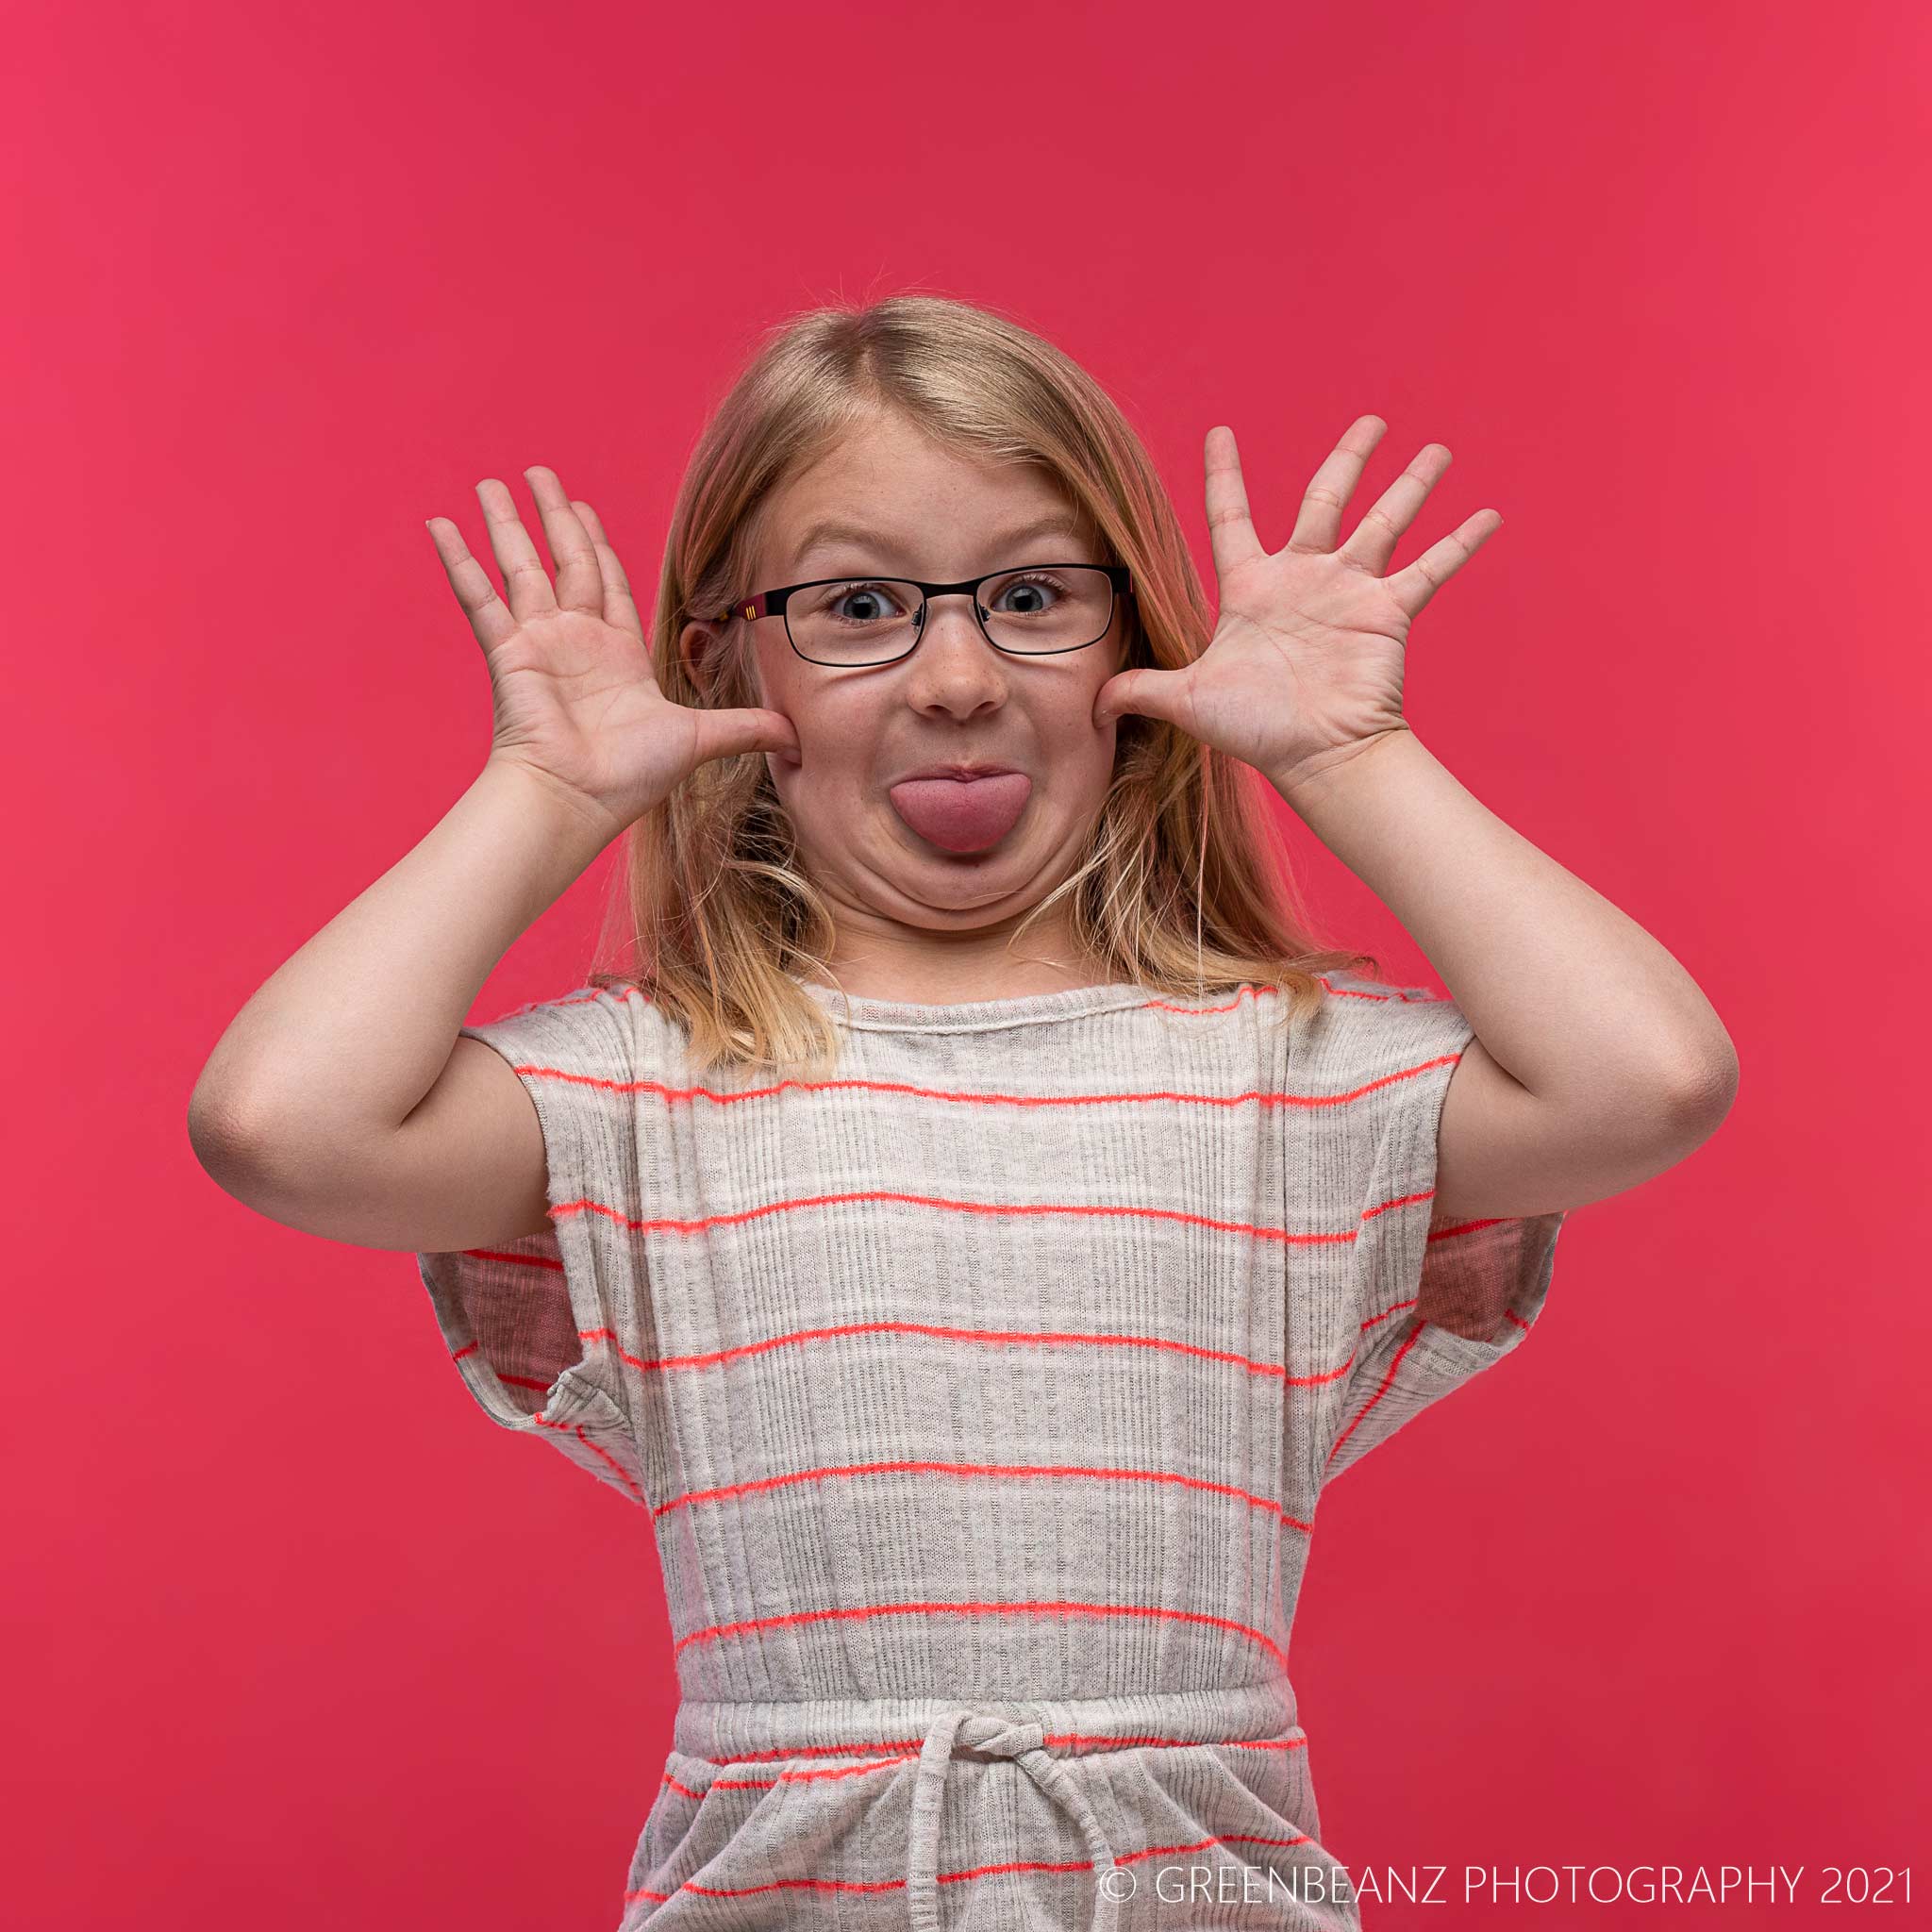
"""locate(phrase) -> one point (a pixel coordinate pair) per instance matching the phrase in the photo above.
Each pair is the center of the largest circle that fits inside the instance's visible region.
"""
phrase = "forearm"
(1571, 996)
(347, 1036)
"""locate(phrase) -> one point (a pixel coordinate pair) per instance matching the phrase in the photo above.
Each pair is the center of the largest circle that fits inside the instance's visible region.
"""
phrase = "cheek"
(842, 766)
(1087, 758)
(1074, 737)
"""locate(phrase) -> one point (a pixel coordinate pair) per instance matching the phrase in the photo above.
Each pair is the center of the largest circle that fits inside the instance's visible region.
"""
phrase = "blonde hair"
(713, 903)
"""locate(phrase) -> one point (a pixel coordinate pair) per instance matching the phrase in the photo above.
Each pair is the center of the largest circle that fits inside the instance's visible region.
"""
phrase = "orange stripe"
(1261, 1230)
(793, 1777)
(1455, 1228)
(789, 1884)
(589, 995)
(596, 1449)
(1014, 1865)
(1388, 1375)
(526, 1381)
(536, 1069)
(1226, 1840)
(1081, 1742)
(980, 1608)
(993, 1469)
(1231, 1837)
(549, 1262)
(667, 1224)
(944, 1333)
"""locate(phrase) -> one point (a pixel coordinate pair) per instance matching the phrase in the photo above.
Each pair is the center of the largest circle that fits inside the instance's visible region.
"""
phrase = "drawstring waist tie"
(1025, 1744)
(826, 1739)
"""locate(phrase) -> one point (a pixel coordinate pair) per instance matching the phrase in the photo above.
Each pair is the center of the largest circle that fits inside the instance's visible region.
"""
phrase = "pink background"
(296, 1637)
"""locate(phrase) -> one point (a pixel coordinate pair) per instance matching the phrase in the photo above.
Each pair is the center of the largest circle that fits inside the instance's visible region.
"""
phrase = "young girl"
(985, 1225)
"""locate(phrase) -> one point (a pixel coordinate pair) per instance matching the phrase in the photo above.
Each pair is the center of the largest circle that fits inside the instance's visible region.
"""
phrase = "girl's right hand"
(575, 695)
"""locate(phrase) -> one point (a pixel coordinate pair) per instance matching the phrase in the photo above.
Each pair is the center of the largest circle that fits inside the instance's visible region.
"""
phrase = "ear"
(696, 639)
(702, 645)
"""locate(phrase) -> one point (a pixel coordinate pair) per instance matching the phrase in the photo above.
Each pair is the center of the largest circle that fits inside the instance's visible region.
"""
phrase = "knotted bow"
(1025, 1745)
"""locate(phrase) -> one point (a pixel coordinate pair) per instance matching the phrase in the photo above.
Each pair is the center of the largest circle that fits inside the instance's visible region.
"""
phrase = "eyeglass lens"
(872, 620)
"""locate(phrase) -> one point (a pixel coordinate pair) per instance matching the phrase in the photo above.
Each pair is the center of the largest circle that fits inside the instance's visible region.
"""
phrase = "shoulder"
(592, 1032)
(1370, 1027)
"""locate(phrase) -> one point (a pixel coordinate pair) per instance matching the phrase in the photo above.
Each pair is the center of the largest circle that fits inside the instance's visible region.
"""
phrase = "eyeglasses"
(1030, 612)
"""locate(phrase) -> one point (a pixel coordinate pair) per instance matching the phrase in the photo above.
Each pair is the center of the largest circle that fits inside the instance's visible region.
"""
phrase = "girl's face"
(934, 867)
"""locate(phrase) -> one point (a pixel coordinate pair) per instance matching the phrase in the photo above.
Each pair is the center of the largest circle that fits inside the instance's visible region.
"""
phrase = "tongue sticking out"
(962, 814)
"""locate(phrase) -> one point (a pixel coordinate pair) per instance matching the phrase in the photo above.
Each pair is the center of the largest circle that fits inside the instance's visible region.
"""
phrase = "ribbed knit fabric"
(980, 1397)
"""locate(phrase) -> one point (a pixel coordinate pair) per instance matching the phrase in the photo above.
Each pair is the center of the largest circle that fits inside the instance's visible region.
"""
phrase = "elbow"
(234, 1142)
(217, 1135)
(1698, 1091)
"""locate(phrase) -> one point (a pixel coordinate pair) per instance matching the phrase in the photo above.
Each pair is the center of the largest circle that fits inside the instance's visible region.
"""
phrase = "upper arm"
(465, 1168)
(1501, 1151)
(470, 1161)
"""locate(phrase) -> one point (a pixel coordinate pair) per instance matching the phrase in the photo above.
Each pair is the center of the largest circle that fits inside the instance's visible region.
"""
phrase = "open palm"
(1305, 663)
(572, 688)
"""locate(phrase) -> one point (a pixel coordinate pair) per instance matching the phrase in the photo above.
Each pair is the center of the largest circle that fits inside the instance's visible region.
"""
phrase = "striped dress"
(979, 1399)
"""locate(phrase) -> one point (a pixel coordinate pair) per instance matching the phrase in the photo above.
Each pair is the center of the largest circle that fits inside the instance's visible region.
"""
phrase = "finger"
(620, 607)
(1414, 586)
(489, 616)
(1230, 528)
(1318, 525)
(579, 581)
(1373, 541)
(526, 582)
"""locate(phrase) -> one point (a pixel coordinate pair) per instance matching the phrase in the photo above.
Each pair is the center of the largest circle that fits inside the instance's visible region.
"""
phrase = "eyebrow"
(828, 532)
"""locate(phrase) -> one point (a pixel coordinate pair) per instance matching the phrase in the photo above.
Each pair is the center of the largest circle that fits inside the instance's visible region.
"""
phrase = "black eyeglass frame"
(772, 604)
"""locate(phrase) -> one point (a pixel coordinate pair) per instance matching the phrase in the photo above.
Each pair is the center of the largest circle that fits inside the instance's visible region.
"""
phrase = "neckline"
(921, 1016)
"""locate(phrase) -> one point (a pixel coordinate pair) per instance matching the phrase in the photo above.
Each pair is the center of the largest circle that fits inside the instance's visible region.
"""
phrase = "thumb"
(725, 734)
(1145, 692)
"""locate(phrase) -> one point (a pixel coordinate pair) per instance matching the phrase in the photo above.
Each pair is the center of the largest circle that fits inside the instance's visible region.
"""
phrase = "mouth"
(957, 768)
(961, 808)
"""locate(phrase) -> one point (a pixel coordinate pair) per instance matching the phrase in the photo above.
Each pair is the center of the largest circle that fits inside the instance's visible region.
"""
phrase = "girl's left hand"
(1305, 667)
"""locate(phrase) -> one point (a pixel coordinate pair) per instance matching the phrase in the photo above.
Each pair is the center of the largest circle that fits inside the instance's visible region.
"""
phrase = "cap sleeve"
(546, 1329)
(1402, 1045)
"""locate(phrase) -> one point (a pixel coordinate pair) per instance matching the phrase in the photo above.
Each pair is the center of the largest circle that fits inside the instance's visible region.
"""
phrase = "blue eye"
(879, 600)
(1031, 581)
